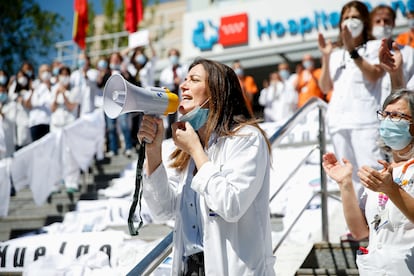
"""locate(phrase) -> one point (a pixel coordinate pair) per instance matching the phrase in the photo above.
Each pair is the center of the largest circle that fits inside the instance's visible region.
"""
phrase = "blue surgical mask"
(196, 117)
(115, 67)
(3, 80)
(396, 135)
(307, 64)
(81, 63)
(29, 73)
(174, 59)
(3, 97)
(55, 71)
(102, 64)
(284, 74)
(239, 72)
(141, 59)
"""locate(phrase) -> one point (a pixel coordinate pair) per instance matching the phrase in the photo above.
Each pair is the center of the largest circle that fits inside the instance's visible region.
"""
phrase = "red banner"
(80, 22)
(134, 13)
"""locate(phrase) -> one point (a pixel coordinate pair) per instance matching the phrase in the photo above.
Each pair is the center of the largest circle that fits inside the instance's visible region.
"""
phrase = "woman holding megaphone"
(216, 183)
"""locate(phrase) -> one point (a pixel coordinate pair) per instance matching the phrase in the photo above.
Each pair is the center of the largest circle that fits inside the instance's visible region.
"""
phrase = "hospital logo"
(232, 31)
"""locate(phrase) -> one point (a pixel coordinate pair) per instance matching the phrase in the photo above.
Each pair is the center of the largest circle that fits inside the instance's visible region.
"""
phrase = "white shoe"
(109, 154)
(128, 153)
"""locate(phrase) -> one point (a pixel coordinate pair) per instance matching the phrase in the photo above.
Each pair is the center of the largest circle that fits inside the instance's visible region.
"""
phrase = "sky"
(65, 9)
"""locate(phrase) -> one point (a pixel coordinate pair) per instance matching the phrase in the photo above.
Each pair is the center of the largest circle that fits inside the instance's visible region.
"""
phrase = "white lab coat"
(38, 165)
(5, 186)
(280, 101)
(390, 249)
(234, 204)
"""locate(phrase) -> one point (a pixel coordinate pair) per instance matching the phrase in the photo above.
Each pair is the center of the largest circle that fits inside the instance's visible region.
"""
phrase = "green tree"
(120, 26)
(110, 21)
(91, 17)
(25, 30)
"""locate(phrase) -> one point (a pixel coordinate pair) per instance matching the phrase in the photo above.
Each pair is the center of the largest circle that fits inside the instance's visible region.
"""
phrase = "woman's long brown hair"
(228, 107)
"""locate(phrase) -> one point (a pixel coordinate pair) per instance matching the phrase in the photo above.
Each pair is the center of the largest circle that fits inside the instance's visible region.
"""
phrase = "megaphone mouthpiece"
(120, 97)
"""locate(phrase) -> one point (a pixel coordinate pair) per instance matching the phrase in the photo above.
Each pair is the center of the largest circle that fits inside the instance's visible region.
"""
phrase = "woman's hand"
(185, 137)
(390, 62)
(151, 131)
(347, 39)
(377, 181)
(341, 173)
(325, 47)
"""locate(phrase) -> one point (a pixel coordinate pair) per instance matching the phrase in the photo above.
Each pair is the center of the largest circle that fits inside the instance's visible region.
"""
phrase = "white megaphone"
(120, 97)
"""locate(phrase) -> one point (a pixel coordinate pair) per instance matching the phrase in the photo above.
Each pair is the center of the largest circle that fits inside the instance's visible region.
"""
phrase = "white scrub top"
(354, 100)
(391, 247)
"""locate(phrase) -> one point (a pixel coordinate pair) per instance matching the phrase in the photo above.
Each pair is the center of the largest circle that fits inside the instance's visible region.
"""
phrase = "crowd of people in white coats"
(53, 124)
(56, 120)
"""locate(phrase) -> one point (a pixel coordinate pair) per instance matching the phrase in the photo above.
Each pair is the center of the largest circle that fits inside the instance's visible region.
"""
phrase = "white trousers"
(360, 147)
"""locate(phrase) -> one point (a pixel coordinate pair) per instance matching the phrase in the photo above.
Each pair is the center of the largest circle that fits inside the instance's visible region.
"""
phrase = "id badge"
(384, 219)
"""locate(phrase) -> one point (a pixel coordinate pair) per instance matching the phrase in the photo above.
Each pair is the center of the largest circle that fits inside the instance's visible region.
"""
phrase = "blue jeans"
(111, 127)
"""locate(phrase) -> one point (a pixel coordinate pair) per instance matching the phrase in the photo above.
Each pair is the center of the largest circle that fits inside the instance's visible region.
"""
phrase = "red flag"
(80, 22)
(134, 13)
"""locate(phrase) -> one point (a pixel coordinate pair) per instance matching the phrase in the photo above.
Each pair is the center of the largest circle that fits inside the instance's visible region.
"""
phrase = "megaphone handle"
(137, 193)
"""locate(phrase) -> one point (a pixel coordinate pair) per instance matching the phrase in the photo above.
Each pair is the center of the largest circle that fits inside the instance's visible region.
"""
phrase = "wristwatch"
(354, 54)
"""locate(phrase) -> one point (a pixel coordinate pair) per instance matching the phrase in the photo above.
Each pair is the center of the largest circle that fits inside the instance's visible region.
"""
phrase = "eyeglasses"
(394, 116)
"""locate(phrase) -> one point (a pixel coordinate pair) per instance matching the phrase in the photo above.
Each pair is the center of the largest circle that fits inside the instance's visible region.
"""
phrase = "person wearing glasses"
(386, 213)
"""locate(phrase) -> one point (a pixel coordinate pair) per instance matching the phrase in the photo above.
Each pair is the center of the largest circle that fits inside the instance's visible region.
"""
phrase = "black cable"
(137, 193)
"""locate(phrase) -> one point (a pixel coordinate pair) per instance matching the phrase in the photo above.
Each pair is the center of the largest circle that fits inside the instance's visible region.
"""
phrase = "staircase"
(331, 259)
(25, 216)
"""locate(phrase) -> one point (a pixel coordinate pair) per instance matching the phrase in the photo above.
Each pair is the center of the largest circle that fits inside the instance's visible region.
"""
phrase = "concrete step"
(327, 272)
(25, 216)
(332, 259)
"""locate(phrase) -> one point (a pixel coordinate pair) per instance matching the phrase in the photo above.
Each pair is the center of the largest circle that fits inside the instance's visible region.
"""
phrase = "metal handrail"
(153, 259)
(163, 249)
(282, 132)
(294, 171)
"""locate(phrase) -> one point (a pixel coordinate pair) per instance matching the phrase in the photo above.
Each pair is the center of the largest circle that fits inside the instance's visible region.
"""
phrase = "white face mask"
(380, 32)
(64, 80)
(45, 76)
(355, 26)
(22, 81)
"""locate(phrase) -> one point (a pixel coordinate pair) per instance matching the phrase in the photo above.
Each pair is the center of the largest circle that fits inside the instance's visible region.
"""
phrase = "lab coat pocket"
(365, 265)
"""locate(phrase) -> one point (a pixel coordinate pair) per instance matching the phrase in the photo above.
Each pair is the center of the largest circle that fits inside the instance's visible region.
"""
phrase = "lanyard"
(400, 180)
(383, 198)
